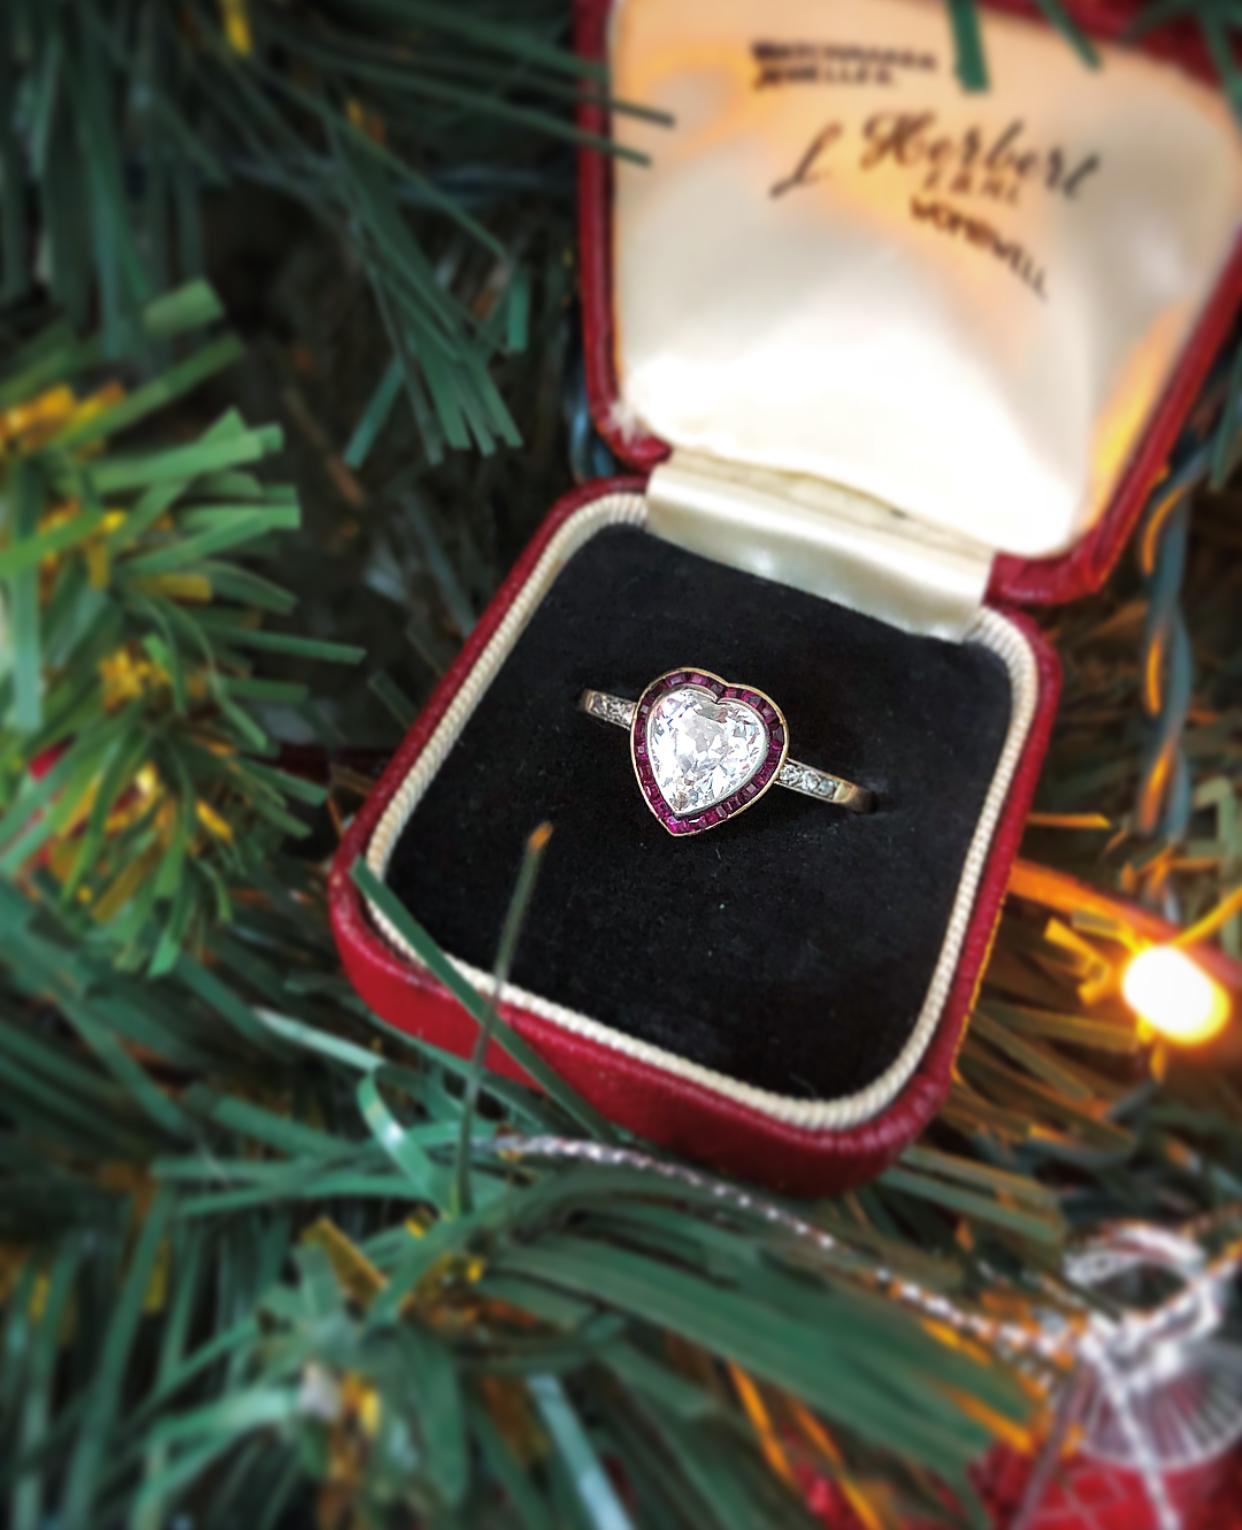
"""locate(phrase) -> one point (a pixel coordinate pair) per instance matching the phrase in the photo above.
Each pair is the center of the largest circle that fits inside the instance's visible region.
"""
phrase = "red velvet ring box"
(890, 361)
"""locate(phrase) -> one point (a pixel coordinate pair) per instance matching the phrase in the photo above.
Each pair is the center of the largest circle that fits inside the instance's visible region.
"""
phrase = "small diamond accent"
(611, 709)
(805, 778)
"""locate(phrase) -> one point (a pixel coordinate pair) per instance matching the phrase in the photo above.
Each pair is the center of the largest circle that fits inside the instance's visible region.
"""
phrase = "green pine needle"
(265, 1260)
(128, 731)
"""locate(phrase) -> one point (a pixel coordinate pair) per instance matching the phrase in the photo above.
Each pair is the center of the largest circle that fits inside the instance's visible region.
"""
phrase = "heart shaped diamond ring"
(705, 749)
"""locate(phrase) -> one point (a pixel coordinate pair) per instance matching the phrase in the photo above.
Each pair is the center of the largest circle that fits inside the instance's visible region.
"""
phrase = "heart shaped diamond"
(704, 749)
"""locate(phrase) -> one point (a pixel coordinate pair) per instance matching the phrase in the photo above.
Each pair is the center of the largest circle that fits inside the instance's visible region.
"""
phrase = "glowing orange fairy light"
(1172, 994)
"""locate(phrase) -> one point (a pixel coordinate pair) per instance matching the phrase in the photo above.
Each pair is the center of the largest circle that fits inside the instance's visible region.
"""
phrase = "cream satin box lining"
(821, 538)
(812, 281)
(616, 509)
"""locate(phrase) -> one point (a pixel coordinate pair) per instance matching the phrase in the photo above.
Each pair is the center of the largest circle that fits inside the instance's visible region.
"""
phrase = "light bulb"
(1174, 996)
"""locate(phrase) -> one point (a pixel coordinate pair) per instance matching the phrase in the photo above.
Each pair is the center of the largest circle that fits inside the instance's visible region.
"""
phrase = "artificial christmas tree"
(268, 1260)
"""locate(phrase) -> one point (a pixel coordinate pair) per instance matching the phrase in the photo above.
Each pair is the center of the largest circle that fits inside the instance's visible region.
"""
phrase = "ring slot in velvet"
(792, 949)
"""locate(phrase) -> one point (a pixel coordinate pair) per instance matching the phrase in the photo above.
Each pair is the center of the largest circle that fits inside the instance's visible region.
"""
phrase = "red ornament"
(1087, 1494)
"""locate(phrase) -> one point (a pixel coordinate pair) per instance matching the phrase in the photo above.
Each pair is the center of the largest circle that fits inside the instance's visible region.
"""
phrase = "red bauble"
(1087, 1494)
(1082, 1494)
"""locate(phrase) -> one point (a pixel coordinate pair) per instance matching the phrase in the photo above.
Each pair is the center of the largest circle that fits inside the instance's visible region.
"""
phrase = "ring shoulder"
(824, 786)
(609, 709)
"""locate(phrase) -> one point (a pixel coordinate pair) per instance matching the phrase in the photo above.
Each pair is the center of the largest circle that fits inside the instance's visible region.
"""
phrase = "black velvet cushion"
(791, 947)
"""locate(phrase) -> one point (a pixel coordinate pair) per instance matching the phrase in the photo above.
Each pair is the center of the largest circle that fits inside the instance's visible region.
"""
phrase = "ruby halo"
(704, 748)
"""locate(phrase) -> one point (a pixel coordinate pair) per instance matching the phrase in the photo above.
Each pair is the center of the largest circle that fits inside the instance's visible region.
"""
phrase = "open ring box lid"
(892, 359)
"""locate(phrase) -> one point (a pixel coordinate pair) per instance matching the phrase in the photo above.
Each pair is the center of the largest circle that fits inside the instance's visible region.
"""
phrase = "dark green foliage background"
(264, 1263)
